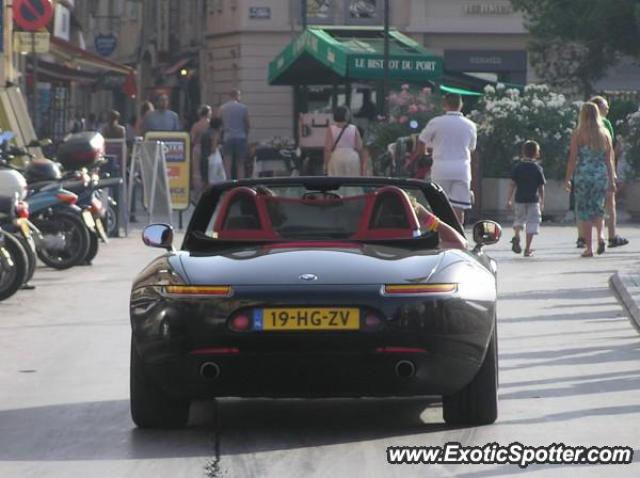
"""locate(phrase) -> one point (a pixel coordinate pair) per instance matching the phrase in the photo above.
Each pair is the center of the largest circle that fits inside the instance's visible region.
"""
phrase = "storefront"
(69, 75)
(508, 66)
(345, 65)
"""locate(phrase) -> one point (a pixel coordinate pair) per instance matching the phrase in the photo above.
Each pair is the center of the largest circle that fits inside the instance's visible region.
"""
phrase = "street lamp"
(303, 12)
(386, 86)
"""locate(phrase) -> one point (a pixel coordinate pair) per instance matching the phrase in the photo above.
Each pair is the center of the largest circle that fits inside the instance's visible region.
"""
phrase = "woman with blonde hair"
(591, 167)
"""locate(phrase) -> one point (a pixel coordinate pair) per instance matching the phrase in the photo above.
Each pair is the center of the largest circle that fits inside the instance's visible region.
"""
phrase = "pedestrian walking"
(611, 212)
(197, 130)
(527, 182)
(212, 166)
(452, 138)
(162, 118)
(235, 123)
(591, 167)
(113, 129)
(343, 152)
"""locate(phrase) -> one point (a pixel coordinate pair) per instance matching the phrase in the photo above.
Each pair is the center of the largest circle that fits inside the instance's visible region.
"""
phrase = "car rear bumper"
(340, 375)
(445, 339)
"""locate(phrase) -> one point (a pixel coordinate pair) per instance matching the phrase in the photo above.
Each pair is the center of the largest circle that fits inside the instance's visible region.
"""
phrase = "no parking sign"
(32, 15)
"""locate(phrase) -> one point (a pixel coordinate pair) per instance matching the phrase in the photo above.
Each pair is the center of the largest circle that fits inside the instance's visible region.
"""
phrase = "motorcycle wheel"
(12, 278)
(93, 249)
(69, 228)
(111, 220)
(31, 256)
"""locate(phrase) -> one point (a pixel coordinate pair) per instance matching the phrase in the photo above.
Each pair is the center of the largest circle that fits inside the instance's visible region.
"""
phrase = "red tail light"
(22, 210)
(67, 197)
(240, 323)
(419, 289)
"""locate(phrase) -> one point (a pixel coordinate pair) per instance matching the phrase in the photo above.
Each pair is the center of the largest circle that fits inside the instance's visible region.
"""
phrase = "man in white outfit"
(452, 137)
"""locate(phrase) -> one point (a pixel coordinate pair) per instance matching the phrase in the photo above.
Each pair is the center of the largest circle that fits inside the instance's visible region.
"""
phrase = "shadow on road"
(104, 431)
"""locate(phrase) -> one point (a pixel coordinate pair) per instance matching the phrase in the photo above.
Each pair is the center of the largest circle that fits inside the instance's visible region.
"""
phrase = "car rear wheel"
(151, 407)
(476, 403)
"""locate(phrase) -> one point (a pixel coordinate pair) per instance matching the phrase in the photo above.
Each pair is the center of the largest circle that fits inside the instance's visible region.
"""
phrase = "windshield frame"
(196, 238)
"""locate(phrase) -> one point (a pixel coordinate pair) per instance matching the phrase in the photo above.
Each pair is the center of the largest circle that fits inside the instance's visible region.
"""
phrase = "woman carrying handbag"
(343, 155)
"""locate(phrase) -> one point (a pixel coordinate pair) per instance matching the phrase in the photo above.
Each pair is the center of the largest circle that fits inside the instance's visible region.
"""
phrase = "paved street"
(569, 372)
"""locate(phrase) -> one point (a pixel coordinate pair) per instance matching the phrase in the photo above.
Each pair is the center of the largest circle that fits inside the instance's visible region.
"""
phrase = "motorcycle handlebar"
(105, 183)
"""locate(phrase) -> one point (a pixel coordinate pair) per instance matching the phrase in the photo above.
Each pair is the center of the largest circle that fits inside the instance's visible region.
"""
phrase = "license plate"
(325, 318)
(88, 219)
(23, 224)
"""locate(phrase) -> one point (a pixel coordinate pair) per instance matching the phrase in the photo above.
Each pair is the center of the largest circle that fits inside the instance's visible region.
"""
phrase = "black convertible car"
(317, 287)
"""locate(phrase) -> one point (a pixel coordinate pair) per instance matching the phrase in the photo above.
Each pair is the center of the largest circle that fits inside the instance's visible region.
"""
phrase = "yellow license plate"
(325, 318)
(23, 224)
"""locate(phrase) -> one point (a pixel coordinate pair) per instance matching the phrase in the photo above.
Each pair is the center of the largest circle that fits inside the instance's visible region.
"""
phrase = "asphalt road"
(569, 371)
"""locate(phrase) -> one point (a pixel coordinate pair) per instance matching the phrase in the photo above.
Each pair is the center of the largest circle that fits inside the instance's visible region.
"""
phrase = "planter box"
(631, 200)
(494, 199)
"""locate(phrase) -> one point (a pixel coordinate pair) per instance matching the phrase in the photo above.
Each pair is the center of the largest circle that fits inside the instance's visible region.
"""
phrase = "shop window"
(319, 12)
(364, 12)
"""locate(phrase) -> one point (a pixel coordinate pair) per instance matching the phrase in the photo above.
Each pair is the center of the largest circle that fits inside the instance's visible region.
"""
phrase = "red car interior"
(246, 214)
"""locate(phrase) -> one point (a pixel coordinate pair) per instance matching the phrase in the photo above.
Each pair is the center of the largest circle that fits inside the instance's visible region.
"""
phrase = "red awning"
(75, 56)
(48, 71)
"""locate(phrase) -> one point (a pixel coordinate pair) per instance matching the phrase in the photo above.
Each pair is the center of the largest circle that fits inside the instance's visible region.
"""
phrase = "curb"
(627, 290)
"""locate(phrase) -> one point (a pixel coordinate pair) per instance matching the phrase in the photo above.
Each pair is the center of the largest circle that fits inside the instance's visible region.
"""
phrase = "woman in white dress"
(343, 154)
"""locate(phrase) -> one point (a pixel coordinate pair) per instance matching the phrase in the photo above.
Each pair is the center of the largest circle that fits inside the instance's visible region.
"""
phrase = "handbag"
(216, 167)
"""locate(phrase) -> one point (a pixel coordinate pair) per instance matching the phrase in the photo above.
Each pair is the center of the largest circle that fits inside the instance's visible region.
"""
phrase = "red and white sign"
(32, 15)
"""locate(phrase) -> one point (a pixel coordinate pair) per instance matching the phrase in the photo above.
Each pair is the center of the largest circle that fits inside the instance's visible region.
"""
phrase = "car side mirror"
(486, 233)
(158, 235)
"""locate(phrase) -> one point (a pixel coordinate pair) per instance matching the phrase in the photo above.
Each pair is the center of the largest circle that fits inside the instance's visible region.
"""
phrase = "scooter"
(47, 184)
(61, 237)
(63, 227)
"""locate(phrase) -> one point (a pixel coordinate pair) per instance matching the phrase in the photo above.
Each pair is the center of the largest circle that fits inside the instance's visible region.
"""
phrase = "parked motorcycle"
(14, 261)
(14, 218)
(81, 194)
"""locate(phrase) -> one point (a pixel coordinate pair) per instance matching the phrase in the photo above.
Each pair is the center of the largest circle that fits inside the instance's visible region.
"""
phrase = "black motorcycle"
(15, 263)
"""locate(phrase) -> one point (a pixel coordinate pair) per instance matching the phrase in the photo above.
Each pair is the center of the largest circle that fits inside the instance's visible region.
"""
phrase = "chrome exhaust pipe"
(209, 370)
(405, 369)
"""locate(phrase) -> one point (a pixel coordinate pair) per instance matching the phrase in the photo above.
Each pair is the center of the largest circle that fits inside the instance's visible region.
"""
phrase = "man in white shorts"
(452, 137)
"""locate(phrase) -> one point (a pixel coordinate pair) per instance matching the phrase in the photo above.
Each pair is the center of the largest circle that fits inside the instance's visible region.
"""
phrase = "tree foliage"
(575, 41)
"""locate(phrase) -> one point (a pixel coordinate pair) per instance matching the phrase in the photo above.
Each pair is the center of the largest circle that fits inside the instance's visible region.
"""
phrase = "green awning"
(323, 55)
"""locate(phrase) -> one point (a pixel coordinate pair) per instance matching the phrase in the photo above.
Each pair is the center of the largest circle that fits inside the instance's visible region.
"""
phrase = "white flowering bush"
(632, 142)
(507, 117)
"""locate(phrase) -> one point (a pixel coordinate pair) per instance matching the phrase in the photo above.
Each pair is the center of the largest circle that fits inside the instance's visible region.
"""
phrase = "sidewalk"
(625, 283)
(626, 286)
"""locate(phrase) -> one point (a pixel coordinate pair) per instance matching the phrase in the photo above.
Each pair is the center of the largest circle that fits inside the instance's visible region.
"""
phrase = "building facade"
(483, 37)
